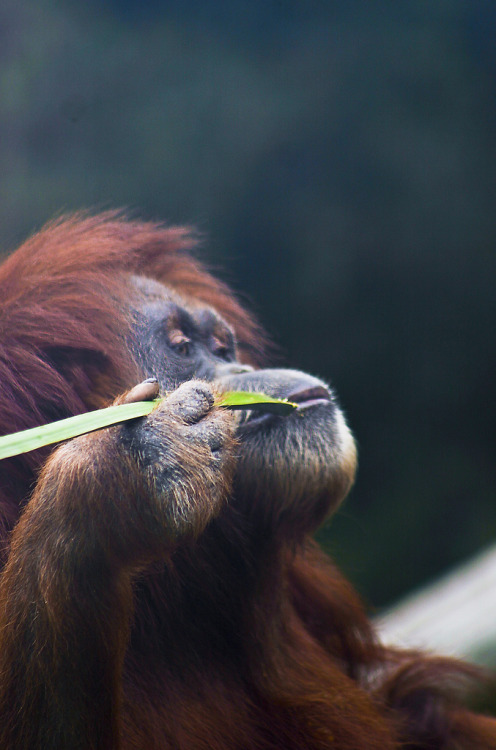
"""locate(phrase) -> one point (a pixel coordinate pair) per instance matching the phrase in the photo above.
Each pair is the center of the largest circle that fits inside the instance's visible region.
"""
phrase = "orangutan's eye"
(180, 343)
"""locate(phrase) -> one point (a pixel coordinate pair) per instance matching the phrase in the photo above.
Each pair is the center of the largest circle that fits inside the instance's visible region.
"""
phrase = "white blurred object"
(454, 616)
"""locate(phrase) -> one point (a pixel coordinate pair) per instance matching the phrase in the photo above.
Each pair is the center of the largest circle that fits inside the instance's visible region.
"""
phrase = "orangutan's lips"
(304, 399)
(310, 397)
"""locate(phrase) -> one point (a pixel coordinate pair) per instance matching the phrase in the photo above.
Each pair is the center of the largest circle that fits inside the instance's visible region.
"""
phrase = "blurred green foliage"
(341, 159)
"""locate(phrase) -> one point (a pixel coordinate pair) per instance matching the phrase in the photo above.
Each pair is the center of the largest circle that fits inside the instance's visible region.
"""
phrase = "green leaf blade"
(64, 429)
(257, 401)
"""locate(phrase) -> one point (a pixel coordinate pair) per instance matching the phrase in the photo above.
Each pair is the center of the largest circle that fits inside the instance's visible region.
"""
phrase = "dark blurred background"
(341, 159)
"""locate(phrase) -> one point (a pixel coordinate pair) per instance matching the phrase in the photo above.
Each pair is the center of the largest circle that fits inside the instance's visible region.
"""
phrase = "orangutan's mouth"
(310, 397)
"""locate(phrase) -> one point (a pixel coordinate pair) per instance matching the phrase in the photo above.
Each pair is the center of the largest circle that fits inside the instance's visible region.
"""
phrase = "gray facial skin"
(307, 458)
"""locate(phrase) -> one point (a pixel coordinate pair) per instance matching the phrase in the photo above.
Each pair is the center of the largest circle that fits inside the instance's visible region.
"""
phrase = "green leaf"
(64, 429)
(259, 401)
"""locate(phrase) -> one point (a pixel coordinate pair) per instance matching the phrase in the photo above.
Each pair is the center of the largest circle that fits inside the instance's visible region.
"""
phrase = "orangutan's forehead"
(154, 295)
(151, 290)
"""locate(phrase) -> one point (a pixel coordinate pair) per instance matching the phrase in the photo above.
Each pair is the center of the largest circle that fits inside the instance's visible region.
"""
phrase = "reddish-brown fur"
(307, 673)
